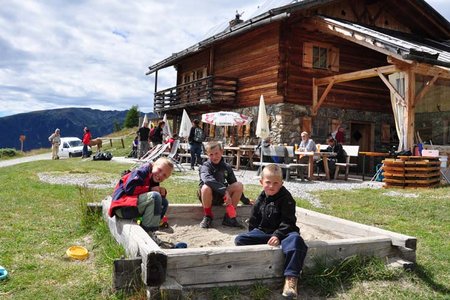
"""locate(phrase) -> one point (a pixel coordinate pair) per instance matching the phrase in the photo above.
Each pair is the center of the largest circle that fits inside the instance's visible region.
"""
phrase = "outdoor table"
(243, 149)
(323, 155)
(371, 154)
(238, 151)
(234, 152)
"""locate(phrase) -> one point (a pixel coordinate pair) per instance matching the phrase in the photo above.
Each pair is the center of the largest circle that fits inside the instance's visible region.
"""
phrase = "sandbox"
(211, 258)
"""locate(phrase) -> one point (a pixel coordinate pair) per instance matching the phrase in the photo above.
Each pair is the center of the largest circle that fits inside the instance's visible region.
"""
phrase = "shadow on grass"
(423, 274)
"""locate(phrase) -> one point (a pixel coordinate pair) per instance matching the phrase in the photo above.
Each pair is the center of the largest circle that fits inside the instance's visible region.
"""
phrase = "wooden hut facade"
(321, 64)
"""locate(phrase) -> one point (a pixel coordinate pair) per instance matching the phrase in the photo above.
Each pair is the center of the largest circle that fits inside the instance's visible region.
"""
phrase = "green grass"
(426, 217)
(39, 221)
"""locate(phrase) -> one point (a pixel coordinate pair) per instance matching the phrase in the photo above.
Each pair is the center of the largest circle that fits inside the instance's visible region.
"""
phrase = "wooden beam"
(193, 266)
(363, 74)
(410, 93)
(425, 89)
(127, 274)
(322, 98)
(420, 68)
(137, 243)
(156, 81)
(211, 61)
(392, 89)
(335, 224)
(315, 91)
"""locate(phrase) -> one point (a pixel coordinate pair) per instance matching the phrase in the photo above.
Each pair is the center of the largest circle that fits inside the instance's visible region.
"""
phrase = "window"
(320, 56)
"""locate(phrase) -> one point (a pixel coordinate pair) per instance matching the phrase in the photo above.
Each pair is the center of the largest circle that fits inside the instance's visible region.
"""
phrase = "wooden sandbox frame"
(222, 266)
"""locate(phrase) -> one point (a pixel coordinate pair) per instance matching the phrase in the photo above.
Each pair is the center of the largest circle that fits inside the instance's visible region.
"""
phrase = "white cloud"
(95, 53)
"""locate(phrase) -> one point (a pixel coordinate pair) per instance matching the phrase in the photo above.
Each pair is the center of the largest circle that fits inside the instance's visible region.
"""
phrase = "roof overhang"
(401, 46)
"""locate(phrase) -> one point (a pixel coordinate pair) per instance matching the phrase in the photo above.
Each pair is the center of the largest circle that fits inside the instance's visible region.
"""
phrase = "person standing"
(157, 133)
(55, 140)
(86, 142)
(143, 134)
(340, 135)
(196, 138)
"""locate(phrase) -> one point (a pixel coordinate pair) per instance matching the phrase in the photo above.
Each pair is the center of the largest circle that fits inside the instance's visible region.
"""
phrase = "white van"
(71, 147)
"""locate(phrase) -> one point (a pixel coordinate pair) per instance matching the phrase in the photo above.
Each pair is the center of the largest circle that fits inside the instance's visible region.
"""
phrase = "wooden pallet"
(411, 172)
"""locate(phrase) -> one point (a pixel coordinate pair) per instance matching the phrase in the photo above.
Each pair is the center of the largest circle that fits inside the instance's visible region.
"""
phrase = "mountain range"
(37, 126)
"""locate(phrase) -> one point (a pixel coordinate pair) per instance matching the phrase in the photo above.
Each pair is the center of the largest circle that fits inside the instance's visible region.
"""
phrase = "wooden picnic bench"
(283, 153)
(352, 151)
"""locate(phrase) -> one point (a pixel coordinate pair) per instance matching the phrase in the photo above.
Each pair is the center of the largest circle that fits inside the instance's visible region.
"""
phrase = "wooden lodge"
(321, 64)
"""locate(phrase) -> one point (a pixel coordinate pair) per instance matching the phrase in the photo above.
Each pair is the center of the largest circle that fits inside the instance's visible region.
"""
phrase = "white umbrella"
(262, 126)
(166, 129)
(186, 125)
(145, 121)
(226, 118)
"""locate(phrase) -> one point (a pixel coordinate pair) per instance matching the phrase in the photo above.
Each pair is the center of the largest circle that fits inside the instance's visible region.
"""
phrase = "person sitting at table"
(306, 145)
(340, 157)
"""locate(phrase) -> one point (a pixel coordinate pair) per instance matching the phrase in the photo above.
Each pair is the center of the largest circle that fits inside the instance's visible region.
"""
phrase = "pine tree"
(132, 117)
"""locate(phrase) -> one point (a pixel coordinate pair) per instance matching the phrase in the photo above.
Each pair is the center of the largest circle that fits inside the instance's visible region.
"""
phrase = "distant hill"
(37, 126)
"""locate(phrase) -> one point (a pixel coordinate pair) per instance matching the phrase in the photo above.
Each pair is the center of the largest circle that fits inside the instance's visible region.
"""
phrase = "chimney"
(236, 20)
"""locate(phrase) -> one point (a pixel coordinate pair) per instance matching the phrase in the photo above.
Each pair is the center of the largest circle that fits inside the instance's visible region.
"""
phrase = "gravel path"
(296, 187)
(299, 188)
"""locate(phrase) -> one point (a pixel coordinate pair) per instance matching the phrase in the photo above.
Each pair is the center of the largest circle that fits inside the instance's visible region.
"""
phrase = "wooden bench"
(352, 151)
(285, 152)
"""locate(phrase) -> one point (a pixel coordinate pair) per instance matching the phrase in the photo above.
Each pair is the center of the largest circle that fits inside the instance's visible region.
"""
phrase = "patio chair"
(152, 154)
(172, 155)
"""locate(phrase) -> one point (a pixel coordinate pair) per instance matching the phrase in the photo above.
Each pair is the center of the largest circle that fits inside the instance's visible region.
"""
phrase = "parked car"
(71, 147)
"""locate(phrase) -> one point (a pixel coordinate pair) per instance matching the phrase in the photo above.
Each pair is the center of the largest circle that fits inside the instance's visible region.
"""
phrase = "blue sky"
(95, 53)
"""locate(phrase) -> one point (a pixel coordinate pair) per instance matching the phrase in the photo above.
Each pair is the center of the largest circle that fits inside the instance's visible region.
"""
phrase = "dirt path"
(16, 161)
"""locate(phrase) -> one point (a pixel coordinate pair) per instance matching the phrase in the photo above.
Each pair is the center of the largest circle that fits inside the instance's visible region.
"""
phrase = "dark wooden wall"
(254, 59)
(368, 94)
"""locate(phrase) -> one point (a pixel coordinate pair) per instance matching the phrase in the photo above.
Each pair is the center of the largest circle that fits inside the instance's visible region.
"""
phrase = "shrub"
(8, 152)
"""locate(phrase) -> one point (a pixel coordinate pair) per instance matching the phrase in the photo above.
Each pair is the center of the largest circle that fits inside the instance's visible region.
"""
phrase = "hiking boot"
(154, 237)
(231, 222)
(206, 222)
(290, 288)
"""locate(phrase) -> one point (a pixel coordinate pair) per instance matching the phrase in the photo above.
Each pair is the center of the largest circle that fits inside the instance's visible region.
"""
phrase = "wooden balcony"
(201, 94)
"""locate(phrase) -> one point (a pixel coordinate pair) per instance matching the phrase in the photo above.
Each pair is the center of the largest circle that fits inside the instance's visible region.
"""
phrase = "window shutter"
(333, 55)
(307, 55)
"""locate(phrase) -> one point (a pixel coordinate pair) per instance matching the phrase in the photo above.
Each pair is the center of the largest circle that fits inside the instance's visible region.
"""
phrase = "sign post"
(22, 138)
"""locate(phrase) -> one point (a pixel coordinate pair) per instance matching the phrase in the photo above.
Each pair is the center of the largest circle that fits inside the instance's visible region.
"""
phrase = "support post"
(410, 95)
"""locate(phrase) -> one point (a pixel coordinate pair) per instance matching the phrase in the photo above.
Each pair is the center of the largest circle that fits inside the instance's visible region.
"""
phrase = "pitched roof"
(271, 15)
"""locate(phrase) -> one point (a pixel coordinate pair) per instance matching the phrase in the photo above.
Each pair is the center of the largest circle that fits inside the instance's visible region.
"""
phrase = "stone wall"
(286, 121)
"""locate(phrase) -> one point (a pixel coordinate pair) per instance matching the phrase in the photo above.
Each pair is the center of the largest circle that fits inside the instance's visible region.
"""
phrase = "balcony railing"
(209, 90)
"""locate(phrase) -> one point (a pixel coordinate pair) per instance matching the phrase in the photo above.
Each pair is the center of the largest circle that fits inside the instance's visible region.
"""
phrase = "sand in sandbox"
(189, 231)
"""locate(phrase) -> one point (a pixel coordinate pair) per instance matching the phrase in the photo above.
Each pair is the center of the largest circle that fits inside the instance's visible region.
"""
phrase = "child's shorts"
(217, 198)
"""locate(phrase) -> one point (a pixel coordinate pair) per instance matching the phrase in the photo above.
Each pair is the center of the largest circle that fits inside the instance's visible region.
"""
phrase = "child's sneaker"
(206, 222)
(290, 287)
(231, 222)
